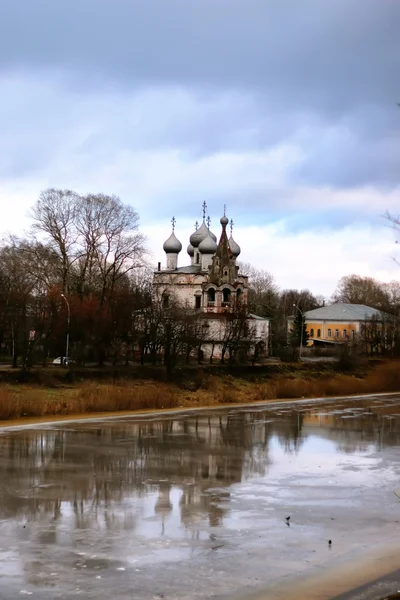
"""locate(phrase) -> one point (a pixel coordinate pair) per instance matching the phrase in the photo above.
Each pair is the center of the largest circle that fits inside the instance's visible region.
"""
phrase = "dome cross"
(204, 209)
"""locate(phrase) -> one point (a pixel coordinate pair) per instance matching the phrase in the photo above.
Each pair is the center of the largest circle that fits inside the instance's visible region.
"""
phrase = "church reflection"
(152, 476)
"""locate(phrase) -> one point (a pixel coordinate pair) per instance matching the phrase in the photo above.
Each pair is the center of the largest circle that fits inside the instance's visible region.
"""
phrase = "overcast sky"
(285, 111)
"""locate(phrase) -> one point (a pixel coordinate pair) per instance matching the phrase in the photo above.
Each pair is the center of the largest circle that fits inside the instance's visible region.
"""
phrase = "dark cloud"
(308, 53)
(318, 75)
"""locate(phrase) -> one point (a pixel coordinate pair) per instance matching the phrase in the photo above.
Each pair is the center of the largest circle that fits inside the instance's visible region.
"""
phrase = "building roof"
(258, 318)
(342, 312)
(191, 269)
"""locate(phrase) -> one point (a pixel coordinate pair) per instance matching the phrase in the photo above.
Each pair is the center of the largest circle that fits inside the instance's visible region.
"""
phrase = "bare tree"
(54, 216)
(355, 289)
(111, 244)
(238, 334)
(16, 295)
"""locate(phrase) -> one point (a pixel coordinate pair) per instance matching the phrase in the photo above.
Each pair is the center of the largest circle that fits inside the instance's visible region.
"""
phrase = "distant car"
(63, 361)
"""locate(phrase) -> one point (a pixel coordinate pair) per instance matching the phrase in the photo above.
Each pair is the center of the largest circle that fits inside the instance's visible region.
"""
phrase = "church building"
(210, 284)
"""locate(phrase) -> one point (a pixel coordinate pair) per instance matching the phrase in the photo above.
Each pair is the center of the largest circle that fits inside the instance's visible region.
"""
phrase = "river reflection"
(173, 477)
(91, 467)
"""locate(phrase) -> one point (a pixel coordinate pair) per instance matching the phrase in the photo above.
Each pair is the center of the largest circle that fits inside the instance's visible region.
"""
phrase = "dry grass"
(38, 402)
(17, 402)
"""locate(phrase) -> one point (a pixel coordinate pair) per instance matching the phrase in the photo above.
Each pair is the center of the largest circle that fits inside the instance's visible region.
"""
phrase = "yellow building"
(336, 323)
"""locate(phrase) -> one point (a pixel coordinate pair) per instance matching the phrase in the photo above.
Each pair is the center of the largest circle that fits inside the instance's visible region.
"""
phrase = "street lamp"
(301, 330)
(68, 326)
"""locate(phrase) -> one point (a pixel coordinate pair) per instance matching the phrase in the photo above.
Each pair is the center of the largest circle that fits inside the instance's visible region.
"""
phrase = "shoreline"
(50, 398)
(26, 422)
(373, 575)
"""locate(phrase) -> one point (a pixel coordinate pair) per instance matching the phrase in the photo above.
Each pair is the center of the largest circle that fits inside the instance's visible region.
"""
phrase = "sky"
(284, 111)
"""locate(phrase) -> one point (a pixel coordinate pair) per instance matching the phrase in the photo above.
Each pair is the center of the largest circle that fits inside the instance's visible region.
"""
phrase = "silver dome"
(208, 245)
(200, 234)
(172, 245)
(234, 247)
(190, 250)
(224, 220)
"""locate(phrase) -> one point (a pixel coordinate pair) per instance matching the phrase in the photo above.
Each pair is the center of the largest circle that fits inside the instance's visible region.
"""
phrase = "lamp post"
(68, 326)
(301, 330)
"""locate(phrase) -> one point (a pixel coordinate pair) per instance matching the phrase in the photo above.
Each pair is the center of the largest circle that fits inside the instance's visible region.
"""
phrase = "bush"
(349, 358)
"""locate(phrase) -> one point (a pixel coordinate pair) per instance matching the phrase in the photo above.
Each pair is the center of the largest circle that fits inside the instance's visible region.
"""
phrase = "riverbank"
(373, 575)
(196, 389)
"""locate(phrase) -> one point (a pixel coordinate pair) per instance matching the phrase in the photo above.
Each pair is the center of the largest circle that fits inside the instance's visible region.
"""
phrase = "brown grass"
(20, 401)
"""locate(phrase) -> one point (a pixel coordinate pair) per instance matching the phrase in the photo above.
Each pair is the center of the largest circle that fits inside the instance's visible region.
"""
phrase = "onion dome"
(224, 221)
(212, 235)
(234, 247)
(208, 245)
(172, 245)
(190, 250)
(199, 235)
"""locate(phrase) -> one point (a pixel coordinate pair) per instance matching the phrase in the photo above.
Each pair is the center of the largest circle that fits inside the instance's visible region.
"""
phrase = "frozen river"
(194, 505)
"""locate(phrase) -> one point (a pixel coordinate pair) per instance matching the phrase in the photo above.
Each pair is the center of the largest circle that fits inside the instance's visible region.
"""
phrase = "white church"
(210, 284)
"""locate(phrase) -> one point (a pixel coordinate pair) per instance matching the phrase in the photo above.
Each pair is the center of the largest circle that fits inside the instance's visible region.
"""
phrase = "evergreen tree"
(299, 330)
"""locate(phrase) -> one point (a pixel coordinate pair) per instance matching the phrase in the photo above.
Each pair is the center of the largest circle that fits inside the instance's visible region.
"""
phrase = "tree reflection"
(118, 476)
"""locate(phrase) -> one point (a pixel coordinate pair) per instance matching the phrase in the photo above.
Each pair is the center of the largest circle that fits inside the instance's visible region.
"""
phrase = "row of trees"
(379, 335)
(82, 270)
(85, 255)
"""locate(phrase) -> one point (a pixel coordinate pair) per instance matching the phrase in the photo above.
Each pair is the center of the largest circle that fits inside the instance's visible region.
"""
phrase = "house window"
(197, 302)
(318, 333)
(353, 333)
(165, 301)
(311, 332)
(336, 333)
(344, 334)
(329, 332)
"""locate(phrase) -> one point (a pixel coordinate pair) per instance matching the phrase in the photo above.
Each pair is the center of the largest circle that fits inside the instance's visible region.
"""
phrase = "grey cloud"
(262, 72)
(314, 53)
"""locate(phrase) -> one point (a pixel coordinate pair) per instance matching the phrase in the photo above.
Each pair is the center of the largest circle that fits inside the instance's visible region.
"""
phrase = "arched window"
(226, 294)
(336, 333)
(329, 332)
(311, 332)
(344, 334)
(318, 333)
(225, 272)
(238, 294)
(211, 297)
(353, 333)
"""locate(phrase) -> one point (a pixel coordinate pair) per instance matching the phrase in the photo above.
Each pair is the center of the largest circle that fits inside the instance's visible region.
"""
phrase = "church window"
(197, 258)
(211, 296)
(225, 272)
(226, 294)
(165, 300)
(198, 302)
